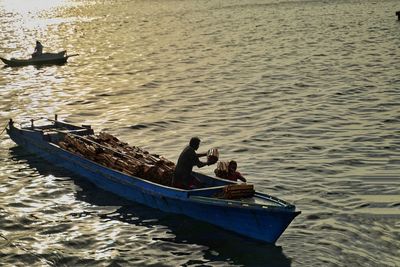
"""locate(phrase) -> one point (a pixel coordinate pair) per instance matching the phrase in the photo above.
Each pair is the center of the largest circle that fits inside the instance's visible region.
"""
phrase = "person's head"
(37, 42)
(194, 143)
(232, 166)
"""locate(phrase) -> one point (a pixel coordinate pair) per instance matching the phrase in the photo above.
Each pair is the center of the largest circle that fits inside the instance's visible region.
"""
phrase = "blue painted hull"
(259, 221)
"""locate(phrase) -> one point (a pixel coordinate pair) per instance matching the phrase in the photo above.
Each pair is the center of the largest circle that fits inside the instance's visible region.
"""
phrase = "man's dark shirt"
(184, 166)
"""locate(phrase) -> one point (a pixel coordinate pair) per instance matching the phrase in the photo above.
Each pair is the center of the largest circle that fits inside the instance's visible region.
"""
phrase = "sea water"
(304, 95)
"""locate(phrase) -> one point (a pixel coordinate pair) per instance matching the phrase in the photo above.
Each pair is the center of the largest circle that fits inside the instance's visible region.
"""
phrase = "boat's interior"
(55, 132)
(212, 195)
(211, 188)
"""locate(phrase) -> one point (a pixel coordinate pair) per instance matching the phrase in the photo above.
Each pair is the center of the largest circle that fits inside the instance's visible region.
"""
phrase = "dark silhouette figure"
(38, 49)
(188, 158)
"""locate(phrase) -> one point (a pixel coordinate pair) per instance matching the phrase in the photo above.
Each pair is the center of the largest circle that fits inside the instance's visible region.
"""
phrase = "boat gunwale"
(241, 204)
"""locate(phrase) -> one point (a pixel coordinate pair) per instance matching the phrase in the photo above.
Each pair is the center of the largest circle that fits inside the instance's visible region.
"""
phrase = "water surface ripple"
(303, 94)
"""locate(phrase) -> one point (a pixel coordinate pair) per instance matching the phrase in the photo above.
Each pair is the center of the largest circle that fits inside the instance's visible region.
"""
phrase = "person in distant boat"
(38, 49)
(233, 174)
(188, 158)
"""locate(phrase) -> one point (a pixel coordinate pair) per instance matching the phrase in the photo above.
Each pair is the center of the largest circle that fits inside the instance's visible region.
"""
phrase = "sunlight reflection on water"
(303, 94)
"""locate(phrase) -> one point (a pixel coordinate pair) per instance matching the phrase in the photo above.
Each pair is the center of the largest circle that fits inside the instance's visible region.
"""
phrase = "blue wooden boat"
(262, 217)
(44, 59)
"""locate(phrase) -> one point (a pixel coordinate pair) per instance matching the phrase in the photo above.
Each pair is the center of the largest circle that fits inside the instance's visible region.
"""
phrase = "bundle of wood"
(212, 155)
(222, 169)
(108, 151)
(236, 191)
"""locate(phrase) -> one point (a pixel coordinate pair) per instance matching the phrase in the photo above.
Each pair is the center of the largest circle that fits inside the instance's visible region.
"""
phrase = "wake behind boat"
(217, 201)
(43, 59)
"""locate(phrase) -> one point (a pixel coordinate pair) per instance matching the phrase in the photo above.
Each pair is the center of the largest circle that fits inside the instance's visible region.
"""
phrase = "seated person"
(228, 171)
(38, 49)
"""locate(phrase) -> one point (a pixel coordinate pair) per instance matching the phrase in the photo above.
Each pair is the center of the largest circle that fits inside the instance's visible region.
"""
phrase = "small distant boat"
(260, 216)
(44, 59)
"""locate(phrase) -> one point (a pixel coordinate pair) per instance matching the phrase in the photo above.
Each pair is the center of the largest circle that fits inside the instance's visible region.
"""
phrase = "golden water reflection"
(31, 7)
(28, 21)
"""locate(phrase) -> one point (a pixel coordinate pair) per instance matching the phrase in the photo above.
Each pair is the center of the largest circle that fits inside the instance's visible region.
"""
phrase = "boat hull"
(46, 59)
(261, 223)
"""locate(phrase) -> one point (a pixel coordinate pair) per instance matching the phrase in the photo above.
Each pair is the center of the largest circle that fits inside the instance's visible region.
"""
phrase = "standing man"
(186, 161)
